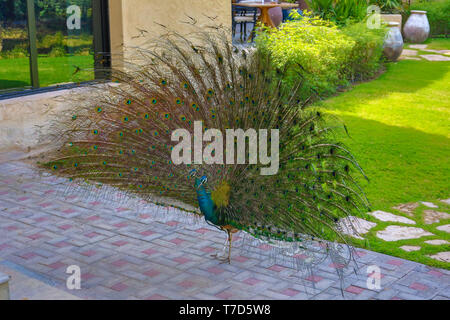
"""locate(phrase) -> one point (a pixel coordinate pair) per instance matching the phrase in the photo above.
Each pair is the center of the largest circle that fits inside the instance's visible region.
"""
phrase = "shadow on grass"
(407, 76)
(12, 84)
(403, 164)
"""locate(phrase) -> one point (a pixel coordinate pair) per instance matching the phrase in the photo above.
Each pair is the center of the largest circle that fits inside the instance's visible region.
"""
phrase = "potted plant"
(301, 6)
(340, 12)
(390, 10)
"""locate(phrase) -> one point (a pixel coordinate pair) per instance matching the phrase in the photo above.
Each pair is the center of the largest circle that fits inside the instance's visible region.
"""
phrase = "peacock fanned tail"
(121, 136)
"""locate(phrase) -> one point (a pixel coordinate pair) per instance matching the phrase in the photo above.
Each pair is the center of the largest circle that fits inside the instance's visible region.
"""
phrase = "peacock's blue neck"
(206, 204)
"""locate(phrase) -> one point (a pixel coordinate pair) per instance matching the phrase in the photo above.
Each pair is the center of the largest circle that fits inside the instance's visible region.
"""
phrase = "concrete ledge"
(26, 284)
(4, 286)
(23, 120)
(392, 18)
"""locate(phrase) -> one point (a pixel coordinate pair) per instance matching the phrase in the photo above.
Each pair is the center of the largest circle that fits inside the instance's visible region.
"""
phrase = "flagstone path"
(401, 228)
(124, 254)
(411, 52)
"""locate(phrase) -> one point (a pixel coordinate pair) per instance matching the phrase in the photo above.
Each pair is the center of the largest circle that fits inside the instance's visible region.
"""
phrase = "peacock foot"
(225, 260)
(222, 258)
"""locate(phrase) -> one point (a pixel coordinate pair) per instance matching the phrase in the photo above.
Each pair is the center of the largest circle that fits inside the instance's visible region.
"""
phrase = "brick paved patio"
(125, 254)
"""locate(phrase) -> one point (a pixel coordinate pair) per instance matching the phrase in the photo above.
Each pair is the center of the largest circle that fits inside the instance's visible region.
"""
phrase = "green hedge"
(366, 55)
(438, 13)
(341, 12)
(325, 56)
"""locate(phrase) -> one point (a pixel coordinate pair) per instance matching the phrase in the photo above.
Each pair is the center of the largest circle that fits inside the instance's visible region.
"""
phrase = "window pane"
(64, 41)
(14, 56)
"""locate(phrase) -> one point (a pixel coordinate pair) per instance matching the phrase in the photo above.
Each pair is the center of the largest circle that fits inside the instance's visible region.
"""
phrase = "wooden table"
(264, 7)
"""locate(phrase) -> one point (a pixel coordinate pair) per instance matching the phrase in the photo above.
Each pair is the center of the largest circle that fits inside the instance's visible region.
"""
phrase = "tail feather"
(122, 136)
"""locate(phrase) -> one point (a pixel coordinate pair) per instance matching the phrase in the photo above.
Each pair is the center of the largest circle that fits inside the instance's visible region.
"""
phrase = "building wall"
(25, 120)
(128, 17)
(23, 130)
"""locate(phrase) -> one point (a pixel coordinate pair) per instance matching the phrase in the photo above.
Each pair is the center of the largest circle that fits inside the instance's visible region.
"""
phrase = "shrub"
(314, 48)
(322, 54)
(438, 13)
(83, 52)
(340, 12)
(388, 6)
(19, 51)
(57, 51)
(50, 41)
(365, 58)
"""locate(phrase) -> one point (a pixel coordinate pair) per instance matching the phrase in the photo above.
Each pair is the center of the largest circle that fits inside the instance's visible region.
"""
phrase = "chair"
(243, 16)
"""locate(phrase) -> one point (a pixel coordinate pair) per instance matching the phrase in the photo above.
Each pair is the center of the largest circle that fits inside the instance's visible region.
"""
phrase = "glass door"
(65, 42)
(48, 43)
(14, 53)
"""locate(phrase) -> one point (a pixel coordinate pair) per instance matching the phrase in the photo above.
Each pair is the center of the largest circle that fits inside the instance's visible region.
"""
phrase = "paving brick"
(126, 253)
(355, 290)
(418, 286)
(251, 281)
(314, 278)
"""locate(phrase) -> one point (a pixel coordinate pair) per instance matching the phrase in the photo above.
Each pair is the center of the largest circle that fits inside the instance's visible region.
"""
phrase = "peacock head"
(200, 181)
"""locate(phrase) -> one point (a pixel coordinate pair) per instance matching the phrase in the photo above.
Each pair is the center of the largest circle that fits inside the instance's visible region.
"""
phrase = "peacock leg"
(222, 258)
(230, 235)
(219, 254)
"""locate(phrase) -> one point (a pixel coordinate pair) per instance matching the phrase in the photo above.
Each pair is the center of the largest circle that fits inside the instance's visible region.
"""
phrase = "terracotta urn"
(276, 14)
(302, 5)
(393, 43)
(417, 28)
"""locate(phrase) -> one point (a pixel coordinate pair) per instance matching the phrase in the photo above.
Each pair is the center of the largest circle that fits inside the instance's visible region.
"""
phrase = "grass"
(15, 73)
(400, 133)
(438, 44)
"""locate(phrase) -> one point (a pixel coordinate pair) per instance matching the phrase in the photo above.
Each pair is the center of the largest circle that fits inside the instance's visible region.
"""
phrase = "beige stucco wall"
(392, 18)
(23, 120)
(128, 17)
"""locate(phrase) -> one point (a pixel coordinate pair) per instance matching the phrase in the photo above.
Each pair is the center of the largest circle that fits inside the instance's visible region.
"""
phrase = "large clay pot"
(302, 5)
(417, 28)
(393, 43)
(276, 14)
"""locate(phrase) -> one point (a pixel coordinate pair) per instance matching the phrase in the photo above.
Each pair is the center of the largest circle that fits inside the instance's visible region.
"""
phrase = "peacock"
(159, 130)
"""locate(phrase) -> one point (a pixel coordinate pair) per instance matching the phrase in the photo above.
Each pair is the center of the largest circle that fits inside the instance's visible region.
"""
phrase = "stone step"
(4, 286)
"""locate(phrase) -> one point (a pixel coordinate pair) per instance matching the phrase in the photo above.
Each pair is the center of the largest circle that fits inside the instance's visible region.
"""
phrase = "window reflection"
(64, 41)
(14, 55)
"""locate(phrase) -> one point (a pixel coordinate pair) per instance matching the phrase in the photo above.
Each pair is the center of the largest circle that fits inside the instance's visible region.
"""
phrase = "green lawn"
(438, 43)
(15, 73)
(399, 127)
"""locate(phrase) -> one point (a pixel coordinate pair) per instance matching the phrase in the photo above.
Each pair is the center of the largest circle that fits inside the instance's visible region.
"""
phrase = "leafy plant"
(388, 6)
(13, 33)
(51, 40)
(340, 12)
(313, 48)
(19, 51)
(57, 51)
(366, 56)
(324, 56)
